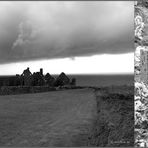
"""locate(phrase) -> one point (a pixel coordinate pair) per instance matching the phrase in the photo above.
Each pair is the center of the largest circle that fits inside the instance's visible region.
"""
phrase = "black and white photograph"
(67, 73)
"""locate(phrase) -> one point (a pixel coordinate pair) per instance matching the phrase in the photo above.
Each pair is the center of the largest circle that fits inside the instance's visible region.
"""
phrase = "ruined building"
(50, 81)
(37, 79)
(73, 82)
(27, 77)
(62, 80)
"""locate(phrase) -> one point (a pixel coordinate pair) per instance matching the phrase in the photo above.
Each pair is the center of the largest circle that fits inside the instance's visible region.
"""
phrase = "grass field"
(76, 117)
(61, 118)
(114, 125)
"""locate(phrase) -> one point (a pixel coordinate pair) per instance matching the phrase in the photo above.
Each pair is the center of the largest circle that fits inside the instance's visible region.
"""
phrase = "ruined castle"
(37, 79)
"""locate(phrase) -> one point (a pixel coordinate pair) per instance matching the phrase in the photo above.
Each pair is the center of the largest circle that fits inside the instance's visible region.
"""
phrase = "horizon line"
(79, 74)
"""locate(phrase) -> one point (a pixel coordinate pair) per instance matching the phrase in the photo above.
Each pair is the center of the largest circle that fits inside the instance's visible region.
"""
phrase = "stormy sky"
(64, 29)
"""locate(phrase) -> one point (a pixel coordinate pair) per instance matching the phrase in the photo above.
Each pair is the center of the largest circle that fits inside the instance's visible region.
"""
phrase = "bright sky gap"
(115, 64)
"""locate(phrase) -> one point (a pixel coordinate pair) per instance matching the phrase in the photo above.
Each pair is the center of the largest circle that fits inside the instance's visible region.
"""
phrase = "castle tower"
(41, 71)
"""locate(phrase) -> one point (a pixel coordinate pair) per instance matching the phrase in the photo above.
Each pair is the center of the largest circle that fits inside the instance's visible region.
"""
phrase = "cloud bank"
(45, 30)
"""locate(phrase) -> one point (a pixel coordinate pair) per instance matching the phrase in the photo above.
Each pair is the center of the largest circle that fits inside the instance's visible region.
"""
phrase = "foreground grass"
(61, 118)
(80, 117)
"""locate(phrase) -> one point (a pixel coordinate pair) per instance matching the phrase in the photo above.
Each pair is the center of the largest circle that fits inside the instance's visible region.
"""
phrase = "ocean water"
(103, 80)
(99, 80)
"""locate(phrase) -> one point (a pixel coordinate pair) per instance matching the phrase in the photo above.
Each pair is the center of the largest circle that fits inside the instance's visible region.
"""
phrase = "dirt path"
(62, 118)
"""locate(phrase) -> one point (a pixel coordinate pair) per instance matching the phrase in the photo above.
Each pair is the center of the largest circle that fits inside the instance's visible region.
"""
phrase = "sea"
(99, 80)
(103, 80)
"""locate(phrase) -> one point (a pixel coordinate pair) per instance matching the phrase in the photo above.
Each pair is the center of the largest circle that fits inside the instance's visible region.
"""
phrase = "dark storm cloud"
(38, 30)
